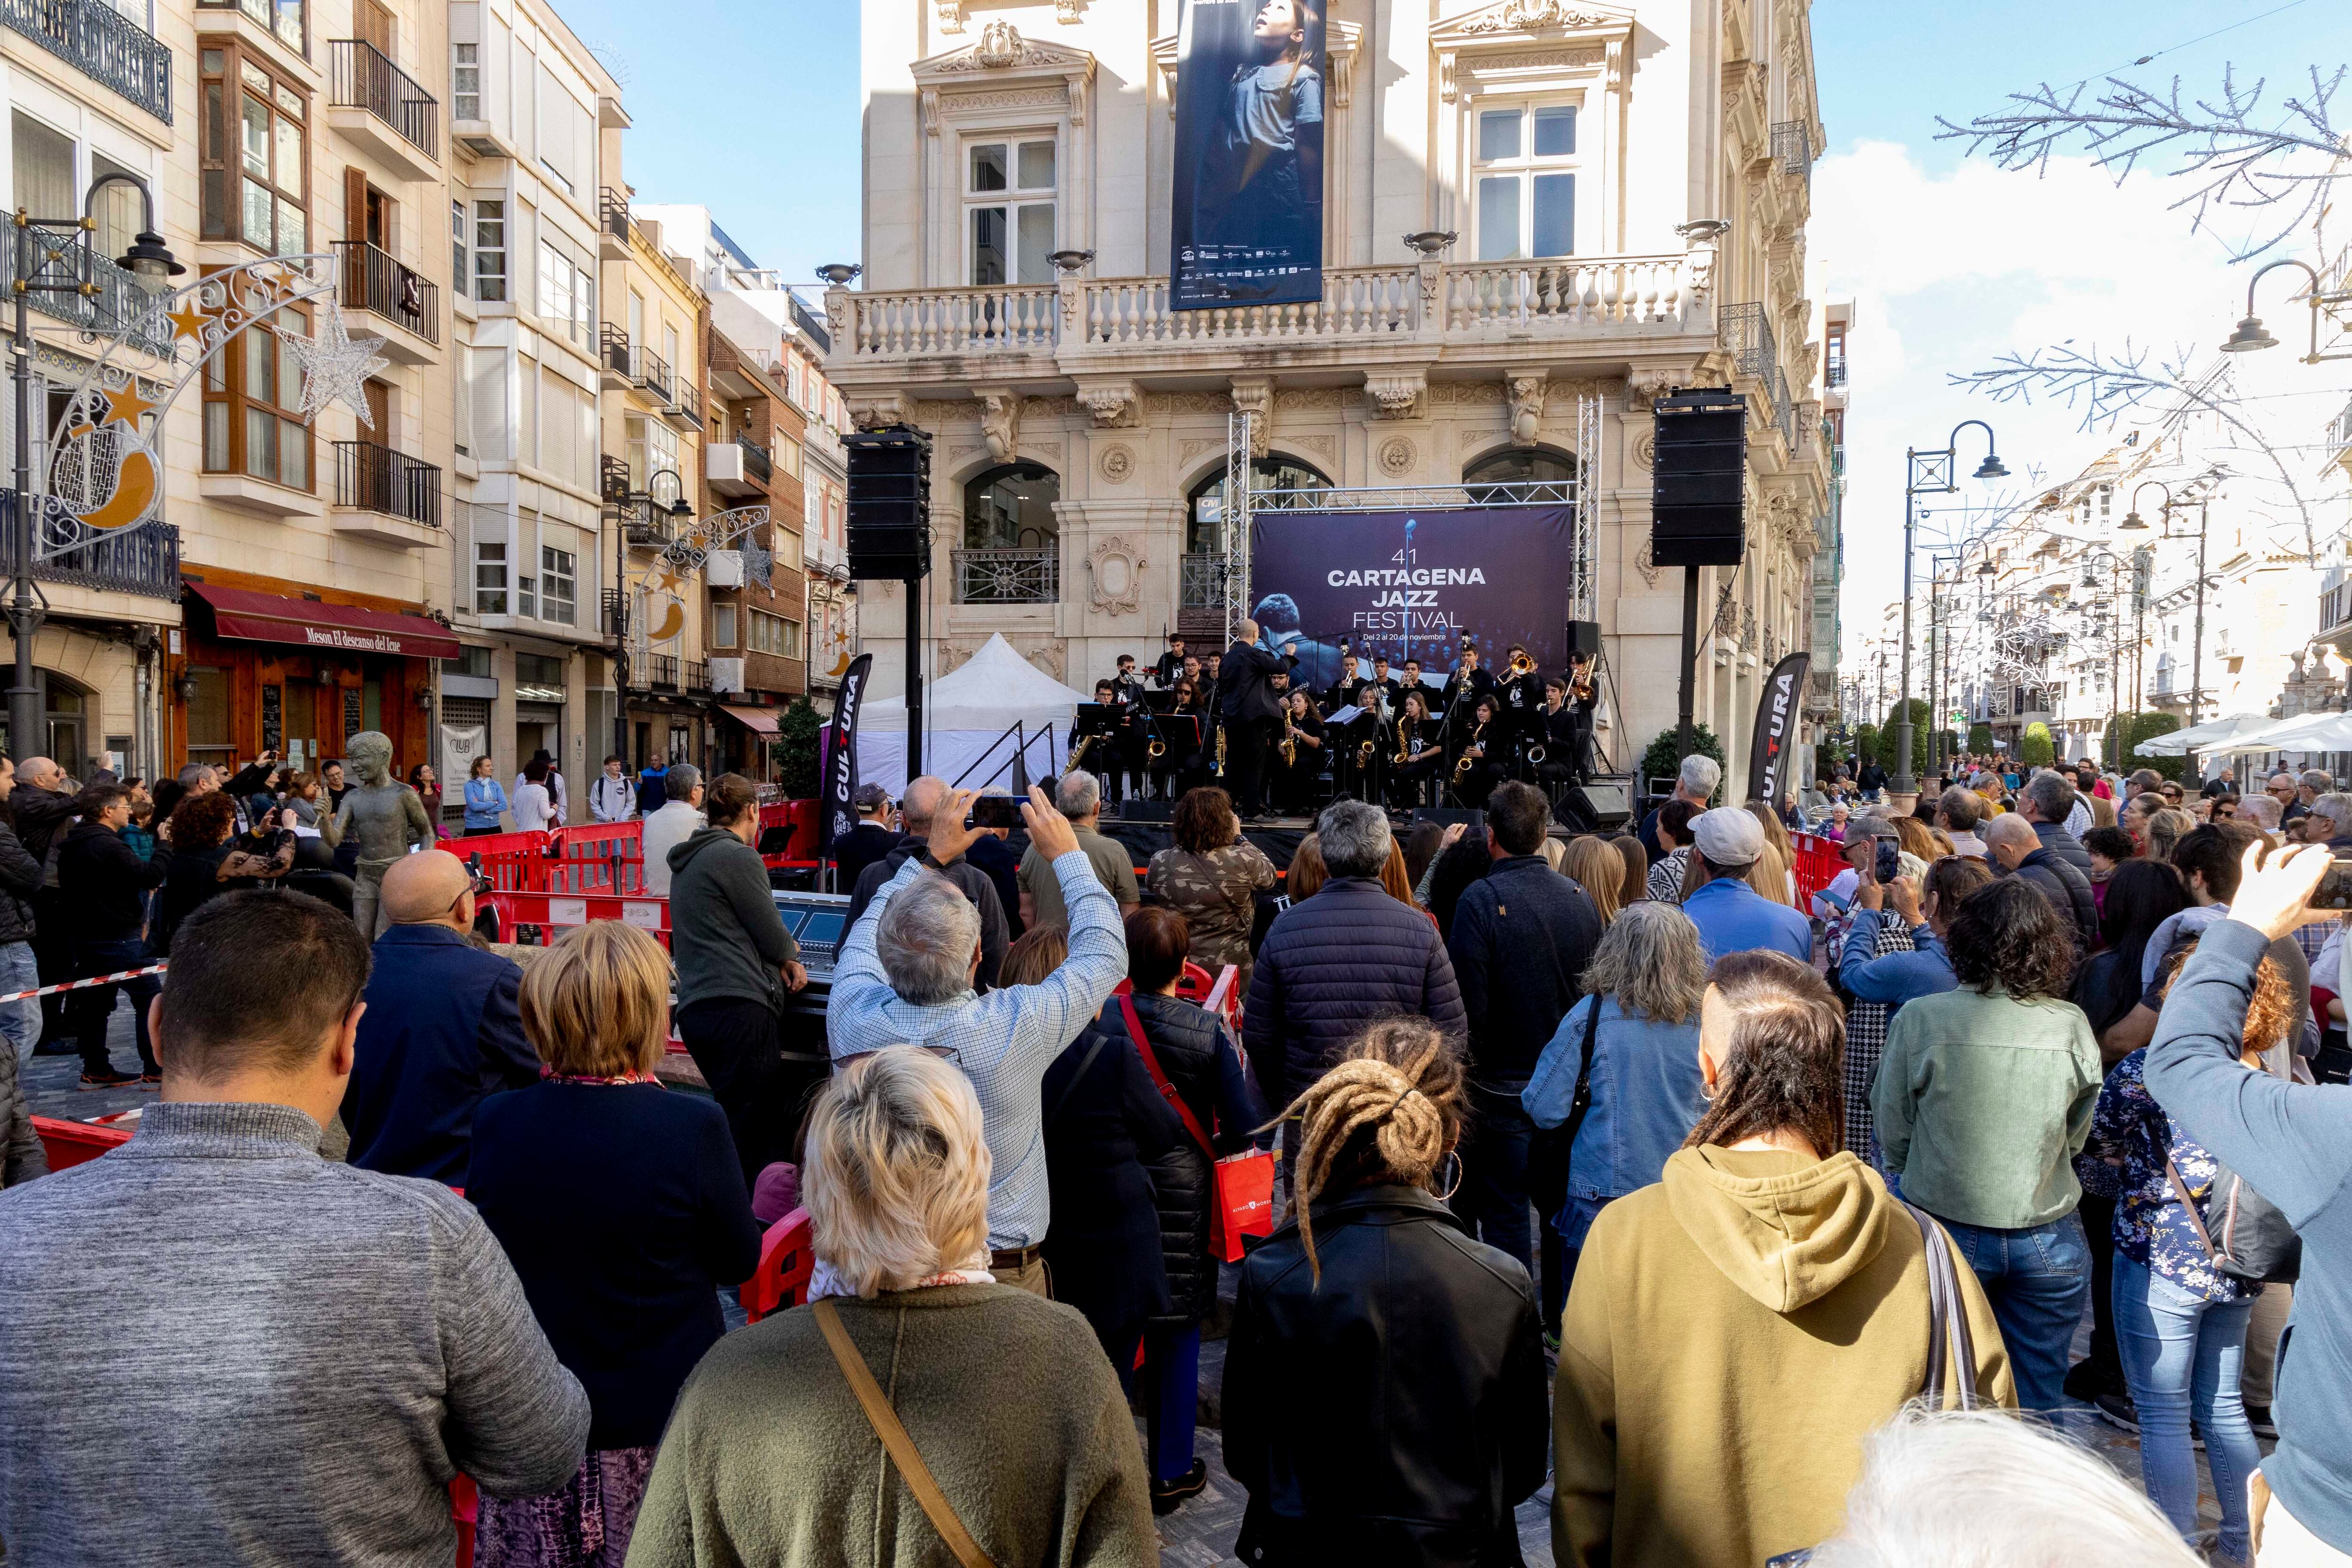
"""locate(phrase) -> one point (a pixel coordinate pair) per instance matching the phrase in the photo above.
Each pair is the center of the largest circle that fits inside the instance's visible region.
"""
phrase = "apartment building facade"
(1080, 425)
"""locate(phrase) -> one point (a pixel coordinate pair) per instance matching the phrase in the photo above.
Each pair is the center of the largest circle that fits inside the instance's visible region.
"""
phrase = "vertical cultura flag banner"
(1776, 729)
(840, 816)
(1248, 199)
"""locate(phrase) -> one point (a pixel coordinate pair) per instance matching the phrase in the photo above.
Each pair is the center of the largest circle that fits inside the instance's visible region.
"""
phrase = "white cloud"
(1948, 272)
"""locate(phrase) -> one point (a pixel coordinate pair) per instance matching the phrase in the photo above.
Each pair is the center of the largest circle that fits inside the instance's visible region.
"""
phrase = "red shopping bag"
(1244, 1181)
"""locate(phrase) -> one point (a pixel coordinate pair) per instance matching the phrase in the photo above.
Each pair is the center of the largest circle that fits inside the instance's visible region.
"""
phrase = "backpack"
(2243, 1231)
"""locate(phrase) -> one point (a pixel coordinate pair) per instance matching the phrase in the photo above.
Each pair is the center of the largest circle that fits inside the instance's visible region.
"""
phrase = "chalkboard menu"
(352, 722)
(273, 718)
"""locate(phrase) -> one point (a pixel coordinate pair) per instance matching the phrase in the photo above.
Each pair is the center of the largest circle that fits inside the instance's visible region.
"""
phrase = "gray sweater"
(725, 935)
(220, 1349)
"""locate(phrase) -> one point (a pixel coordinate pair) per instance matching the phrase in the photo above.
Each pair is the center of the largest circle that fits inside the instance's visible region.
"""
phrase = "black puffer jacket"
(1193, 1049)
(2063, 846)
(2068, 890)
(1333, 964)
(20, 878)
(1418, 1359)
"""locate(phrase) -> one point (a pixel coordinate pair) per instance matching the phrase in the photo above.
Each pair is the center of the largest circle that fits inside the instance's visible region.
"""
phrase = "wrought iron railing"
(756, 461)
(685, 401)
(648, 526)
(1008, 576)
(1202, 581)
(1792, 148)
(660, 670)
(1744, 331)
(102, 44)
(361, 77)
(144, 560)
(698, 675)
(119, 302)
(378, 478)
(374, 281)
(650, 371)
(619, 356)
(613, 213)
(613, 476)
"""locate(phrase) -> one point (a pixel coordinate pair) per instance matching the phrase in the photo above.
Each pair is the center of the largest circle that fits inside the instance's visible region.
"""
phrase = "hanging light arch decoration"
(685, 555)
(103, 471)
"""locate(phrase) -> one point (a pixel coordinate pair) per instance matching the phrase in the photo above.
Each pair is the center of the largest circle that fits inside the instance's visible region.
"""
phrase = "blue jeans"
(2037, 1280)
(1172, 1368)
(2182, 1354)
(1494, 1197)
(20, 1022)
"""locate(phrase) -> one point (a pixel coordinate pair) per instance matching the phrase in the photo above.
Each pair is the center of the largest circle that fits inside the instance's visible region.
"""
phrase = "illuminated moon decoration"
(682, 558)
(136, 483)
(672, 623)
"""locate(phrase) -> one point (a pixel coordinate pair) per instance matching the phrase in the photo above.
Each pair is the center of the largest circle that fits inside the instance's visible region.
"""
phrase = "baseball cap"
(1728, 836)
(871, 797)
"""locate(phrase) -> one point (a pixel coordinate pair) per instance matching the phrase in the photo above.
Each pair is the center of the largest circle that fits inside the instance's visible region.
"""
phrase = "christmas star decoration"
(124, 404)
(187, 322)
(335, 367)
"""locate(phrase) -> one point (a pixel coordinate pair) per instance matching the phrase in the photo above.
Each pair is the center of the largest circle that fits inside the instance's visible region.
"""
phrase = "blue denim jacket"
(1893, 978)
(486, 799)
(1646, 1097)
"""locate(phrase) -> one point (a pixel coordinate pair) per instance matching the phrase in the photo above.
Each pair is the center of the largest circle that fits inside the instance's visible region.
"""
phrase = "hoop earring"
(1447, 1194)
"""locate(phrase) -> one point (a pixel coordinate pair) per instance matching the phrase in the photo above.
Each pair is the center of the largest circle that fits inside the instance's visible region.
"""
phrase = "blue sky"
(753, 110)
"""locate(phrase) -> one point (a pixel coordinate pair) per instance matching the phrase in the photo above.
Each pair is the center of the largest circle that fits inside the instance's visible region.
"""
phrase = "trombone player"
(1520, 693)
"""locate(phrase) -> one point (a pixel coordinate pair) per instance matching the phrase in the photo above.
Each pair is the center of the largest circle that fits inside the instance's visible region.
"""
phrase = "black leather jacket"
(1395, 1414)
(20, 878)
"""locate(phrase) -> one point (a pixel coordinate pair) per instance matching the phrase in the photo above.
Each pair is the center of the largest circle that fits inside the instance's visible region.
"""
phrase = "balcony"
(386, 496)
(650, 371)
(61, 266)
(698, 677)
(2335, 613)
(683, 403)
(616, 360)
(611, 225)
(1008, 576)
(1744, 331)
(1202, 582)
(377, 104)
(143, 560)
(1792, 149)
(647, 527)
(656, 671)
(1400, 314)
(97, 40)
(736, 468)
(375, 282)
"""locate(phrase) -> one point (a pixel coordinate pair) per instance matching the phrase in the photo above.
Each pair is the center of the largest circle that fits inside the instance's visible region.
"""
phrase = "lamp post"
(148, 261)
(2136, 523)
(2250, 336)
(644, 501)
(1926, 473)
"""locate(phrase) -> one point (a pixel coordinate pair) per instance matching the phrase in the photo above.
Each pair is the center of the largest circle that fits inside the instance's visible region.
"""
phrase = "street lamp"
(152, 265)
(646, 501)
(2250, 335)
(1927, 473)
(2200, 492)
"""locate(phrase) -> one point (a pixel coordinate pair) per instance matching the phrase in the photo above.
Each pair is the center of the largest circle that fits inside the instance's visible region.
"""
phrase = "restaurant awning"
(762, 720)
(243, 614)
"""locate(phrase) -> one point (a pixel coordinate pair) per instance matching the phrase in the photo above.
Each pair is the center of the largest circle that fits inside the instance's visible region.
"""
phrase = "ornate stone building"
(1016, 304)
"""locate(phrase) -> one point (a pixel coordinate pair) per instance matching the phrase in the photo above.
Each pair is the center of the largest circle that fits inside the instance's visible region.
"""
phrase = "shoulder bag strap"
(1580, 1104)
(901, 1447)
(1167, 1090)
(1948, 1319)
(1077, 1077)
(2189, 1206)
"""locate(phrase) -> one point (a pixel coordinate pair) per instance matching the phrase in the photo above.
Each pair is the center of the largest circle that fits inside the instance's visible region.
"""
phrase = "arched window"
(1204, 509)
(1011, 508)
(1517, 466)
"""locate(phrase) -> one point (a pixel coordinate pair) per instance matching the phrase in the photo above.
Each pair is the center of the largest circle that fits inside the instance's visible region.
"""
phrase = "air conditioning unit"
(727, 675)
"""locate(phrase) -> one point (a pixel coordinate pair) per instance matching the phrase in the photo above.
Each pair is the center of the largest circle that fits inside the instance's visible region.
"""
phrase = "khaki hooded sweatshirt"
(1732, 1334)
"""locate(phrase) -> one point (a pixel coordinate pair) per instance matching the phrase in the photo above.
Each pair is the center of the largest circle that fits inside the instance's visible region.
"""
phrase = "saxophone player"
(1420, 751)
(1300, 753)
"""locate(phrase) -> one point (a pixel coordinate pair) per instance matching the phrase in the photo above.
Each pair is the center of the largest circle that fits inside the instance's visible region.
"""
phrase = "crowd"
(1601, 1163)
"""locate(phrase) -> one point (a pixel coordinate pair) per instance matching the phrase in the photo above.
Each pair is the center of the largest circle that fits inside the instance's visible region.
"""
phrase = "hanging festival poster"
(838, 818)
(1247, 217)
(1776, 729)
(1411, 585)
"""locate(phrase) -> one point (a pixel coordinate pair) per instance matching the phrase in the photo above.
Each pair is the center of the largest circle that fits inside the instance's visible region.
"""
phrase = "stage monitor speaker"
(1584, 639)
(1146, 811)
(1699, 479)
(1599, 806)
(890, 504)
(1447, 816)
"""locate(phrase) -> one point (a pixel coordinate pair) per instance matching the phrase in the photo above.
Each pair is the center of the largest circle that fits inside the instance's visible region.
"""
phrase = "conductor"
(1251, 710)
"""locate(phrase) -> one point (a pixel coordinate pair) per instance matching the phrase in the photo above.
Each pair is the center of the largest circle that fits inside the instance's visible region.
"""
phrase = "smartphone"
(2335, 890)
(1889, 865)
(995, 811)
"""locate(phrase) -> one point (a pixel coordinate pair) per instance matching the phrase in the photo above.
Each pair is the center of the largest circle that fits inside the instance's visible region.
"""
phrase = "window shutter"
(354, 202)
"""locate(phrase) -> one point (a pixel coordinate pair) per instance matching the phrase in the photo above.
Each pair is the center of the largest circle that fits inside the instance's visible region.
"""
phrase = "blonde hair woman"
(1417, 1349)
(623, 1213)
(1004, 1396)
(1597, 869)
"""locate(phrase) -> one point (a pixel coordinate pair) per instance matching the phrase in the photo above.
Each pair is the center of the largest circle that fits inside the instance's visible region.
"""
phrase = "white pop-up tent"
(2212, 733)
(974, 721)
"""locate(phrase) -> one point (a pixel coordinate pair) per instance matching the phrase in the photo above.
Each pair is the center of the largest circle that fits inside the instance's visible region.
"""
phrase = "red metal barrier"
(556, 910)
(1819, 861)
(786, 1262)
(72, 1143)
(604, 857)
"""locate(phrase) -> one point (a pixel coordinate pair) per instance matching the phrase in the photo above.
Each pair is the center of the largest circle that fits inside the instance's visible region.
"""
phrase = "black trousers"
(738, 1047)
(53, 953)
(1247, 743)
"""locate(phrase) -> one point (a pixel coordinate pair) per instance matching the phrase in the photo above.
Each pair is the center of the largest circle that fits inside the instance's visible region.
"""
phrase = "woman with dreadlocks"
(1414, 1353)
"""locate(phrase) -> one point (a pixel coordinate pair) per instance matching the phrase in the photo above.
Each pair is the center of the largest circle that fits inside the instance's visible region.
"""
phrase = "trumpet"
(1470, 754)
(1522, 664)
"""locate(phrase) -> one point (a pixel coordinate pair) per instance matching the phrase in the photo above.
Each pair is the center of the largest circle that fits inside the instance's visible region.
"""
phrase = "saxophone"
(1462, 769)
(1289, 747)
(1405, 744)
(1079, 758)
(1221, 750)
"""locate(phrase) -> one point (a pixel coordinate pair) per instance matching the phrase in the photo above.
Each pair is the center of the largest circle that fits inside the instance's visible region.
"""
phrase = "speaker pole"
(914, 678)
(1690, 665)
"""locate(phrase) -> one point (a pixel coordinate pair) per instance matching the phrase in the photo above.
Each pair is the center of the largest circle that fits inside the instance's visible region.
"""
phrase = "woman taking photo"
(1736, 1331)
(1195, 1056)
(771, 1454)
(1383, 1391)
(486, 799)
(1212, 876)
(623, 1209)
(1643, 1091)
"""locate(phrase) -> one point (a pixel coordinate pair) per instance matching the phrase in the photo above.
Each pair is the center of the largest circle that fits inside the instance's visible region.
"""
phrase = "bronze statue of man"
(390, 819)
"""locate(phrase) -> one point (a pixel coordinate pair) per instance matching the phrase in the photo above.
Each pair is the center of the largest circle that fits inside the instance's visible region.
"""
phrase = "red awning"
(339, 628)
(763, 719)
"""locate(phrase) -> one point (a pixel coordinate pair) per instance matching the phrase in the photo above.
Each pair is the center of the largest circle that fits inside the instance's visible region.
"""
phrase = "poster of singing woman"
(1248, 218)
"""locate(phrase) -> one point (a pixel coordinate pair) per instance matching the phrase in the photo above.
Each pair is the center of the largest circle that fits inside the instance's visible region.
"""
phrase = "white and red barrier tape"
(85, 984)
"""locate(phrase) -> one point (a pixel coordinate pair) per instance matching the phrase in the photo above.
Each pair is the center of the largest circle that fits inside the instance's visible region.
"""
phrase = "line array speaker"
(890, 504)
(1699, 479)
